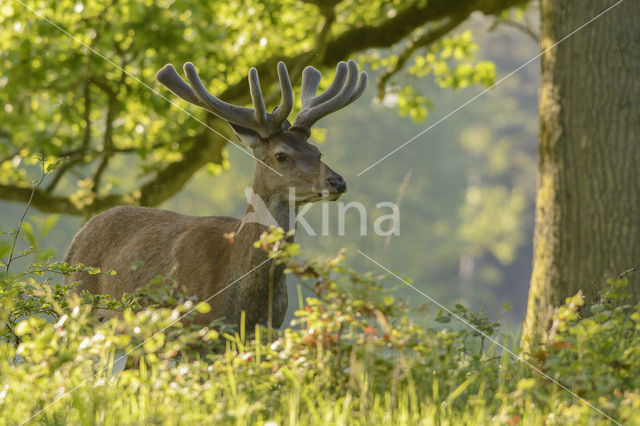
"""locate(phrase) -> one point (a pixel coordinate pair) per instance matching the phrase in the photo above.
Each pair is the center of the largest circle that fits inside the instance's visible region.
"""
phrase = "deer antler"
(258, 118)
(337, 96)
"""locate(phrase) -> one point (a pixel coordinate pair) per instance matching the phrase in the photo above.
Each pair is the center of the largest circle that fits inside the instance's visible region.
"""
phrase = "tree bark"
(588, 199)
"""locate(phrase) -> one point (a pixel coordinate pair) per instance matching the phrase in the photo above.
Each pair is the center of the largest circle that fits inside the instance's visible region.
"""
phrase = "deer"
(230, 274)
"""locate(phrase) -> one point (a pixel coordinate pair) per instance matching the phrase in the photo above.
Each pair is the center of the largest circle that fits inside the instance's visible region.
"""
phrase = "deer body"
(231, 275)
(192, 250)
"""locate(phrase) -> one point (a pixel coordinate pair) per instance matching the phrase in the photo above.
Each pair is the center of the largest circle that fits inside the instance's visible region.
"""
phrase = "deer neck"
(266, 207)
(258, 276)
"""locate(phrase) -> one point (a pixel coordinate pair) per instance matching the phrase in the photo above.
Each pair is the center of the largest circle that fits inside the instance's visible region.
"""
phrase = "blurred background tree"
(466, 190)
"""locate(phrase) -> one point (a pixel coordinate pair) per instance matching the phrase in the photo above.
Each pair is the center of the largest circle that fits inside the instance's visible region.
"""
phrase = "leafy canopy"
(95, 106)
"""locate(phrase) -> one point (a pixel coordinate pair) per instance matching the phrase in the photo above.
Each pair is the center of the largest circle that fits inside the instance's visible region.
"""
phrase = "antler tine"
(345, 88)
(286, 105)
(257, 118)
(169, 77)
(310, 81)
(352, 89)
(260, 111)
(334, 88)
(235, 114)
(359, 90)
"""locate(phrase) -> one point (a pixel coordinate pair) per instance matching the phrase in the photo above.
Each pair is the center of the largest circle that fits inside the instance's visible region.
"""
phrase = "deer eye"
(281, 156)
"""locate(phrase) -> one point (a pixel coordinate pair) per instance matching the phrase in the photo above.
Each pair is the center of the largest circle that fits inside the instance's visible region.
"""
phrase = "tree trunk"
(588, 198)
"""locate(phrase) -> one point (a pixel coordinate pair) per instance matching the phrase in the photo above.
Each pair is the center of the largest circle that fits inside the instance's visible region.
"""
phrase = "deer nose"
(338, 184)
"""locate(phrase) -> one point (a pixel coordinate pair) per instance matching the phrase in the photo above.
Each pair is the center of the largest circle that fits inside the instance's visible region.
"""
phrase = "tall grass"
(352, 355)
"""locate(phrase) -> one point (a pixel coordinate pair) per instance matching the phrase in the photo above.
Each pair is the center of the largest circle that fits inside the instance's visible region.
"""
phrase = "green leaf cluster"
(351, 355)
(78, 86)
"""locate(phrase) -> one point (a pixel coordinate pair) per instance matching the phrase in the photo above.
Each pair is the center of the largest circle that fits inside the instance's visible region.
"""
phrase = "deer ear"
(247, 136)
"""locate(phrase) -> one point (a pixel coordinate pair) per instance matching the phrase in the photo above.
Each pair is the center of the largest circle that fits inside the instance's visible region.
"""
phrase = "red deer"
(193, 250)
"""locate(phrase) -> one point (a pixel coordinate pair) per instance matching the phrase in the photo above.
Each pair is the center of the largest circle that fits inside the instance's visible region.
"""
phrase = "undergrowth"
(352, 355)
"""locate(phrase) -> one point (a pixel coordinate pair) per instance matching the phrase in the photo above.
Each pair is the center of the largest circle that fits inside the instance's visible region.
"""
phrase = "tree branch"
(42, 200)
(78, 154)
(107, 144)
(205, 148)
(323, 33)
(63, 169)
(519, 26)
(35, 187)
(384, 34)
(422, 41)
(208, 147)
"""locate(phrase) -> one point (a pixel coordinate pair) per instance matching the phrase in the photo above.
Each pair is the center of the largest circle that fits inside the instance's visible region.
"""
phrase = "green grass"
(351, 356)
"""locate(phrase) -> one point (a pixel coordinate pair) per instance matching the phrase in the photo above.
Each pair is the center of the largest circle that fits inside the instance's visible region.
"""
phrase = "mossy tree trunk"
(588, 199)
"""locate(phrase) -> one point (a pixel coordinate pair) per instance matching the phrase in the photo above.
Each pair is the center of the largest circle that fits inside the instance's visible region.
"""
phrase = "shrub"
(353, 354)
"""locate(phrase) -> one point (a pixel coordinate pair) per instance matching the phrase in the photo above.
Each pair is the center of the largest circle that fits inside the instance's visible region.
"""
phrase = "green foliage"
(48, 78)
(78, 83)
(604, 338)
(413, 105)
(435, 195)
(351, 355)
(449, 60)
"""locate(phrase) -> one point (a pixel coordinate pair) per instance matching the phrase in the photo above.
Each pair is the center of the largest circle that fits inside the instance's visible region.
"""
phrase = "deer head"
(286, 158)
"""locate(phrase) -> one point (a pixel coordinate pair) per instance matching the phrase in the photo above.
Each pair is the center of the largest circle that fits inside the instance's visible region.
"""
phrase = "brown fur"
(231, 277)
